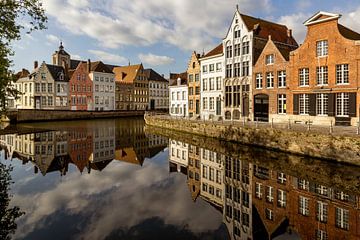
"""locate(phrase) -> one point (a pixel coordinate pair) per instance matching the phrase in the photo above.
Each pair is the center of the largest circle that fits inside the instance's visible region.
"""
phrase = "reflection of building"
(178, 156)
(178, 95)
(194, 171)
(104, 142)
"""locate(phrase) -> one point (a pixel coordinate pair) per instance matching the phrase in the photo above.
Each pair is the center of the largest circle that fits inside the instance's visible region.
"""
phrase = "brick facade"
(80, 88)
(193, 71)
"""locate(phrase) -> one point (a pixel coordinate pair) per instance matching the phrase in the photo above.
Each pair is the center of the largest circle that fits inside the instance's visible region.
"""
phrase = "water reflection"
(110, 180)
(262, 203)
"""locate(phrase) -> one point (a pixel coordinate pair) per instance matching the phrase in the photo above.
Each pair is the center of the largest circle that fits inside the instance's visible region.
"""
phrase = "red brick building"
(80, 92)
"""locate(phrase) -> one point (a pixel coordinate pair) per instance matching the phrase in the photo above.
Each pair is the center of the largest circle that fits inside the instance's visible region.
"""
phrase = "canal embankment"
(304, 141)
(36, 115)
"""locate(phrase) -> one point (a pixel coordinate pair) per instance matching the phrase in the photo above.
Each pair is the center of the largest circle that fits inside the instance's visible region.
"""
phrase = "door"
(37, 103)
(197, 106)
(245, 107)
(152, 104)
(261, 108)
(218, 106)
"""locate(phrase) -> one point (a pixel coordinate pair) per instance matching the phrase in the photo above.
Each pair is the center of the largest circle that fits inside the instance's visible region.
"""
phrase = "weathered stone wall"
(339, 148)
(32, 115)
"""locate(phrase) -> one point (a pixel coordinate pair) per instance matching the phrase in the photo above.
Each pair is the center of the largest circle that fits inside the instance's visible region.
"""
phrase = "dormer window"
(322, 48)
(61, 76)
(269, 59)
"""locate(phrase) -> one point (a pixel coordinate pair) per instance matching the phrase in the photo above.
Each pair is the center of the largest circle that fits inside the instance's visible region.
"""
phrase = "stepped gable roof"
(348, 33)
(56, 72)
(174, 77)
(126, 74)
(263, 28)
(217, 50)
(153, 75)
(99, 66)
(22, 74)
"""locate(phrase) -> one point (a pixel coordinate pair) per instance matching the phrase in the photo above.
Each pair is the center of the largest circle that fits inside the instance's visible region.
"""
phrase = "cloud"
(76, 57)
(52, 39)
(295, 22)
(155, 60)
(351, 19)
(108, 57)
(143, 23)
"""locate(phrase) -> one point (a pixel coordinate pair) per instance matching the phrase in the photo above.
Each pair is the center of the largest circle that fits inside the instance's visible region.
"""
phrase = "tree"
(7, 215)
(32, 15)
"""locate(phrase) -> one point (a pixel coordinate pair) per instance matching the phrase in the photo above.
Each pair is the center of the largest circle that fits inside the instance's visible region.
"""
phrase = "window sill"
(342, 84)
(270, 88)
(282, 87)
(303, 86)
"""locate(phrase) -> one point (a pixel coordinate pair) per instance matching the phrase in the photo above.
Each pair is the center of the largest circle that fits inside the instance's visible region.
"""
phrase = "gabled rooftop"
(126, 73)
(215, 51)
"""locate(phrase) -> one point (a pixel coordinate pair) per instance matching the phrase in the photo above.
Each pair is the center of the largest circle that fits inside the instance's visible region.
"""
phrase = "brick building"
(194, 85)
(324, 80)
(269, 84)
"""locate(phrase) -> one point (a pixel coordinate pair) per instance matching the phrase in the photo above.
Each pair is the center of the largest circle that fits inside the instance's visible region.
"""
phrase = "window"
(342, 196)
(50, 101)
(43, 87)
(322, 48)
(197, 90)
(258, 81)
(205, 69)
(228, 70)
(342, 74)
(258, 190)
(236, 193)
(303, 206)
(246, 47)
(218, 67)
(282, 79)
(191, 78)
(43, 76)
(228, 211)
(321, 212)
(212, 105)
(191, 91)
(245, 68)
(322, 104)
(237, 50)
(269, 59)
(183, 95)
(212, 67)
(212, 83)
(281, 178)
(342, 104)
(204, 187)
(245, 197)
(205, 103)
(197, 77)
(218, 83)
(237, 32)
(303, 184)
(50, 87)
(304, 104)
(342, 218)
(37, 87)
(321, 235)
(269, 194)
(269, 214)
(270, 80)
(322, 75)
(282, 104)
(228, 50)
(303, 77)
(205, 83)
(237, 70)
(281, 198)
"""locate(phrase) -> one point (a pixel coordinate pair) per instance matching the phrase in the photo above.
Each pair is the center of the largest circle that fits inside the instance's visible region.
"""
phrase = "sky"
(161, 34)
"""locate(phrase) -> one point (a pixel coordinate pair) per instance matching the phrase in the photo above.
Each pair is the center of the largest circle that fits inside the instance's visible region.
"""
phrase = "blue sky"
(159, 33)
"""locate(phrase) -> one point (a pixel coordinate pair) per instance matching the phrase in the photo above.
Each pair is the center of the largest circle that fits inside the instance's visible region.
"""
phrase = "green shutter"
(295, 104)
(352, 104)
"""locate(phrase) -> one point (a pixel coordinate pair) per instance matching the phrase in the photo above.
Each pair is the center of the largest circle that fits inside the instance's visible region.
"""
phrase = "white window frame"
(322, 76)
(269, 80)
(304, 104)
(304, 206)
(259, 81)
(269, 59)
(282, 104)
(322, 211)
(282, 79)
(322, 104)
(342, 74)
(342, 104)
(322, 48)
(304, 77)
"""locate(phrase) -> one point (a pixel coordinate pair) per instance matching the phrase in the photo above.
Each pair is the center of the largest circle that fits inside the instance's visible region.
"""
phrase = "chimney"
(36, 64)
(179, 81)
(88, 65)
(289, 33)
(269, 37)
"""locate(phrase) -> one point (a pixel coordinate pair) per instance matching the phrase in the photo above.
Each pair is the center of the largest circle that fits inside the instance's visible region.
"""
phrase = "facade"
(158, 90)
(269, 88)
(324, 79)
(132, 88)
(178, 95)
(194, 171)
(243, 44)
(194, 69)
(212, 84)
(81, 88)
(103, 86)
(178, 156)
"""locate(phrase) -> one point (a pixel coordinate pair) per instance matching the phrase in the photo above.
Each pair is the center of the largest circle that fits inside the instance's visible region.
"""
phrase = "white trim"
(311, 21)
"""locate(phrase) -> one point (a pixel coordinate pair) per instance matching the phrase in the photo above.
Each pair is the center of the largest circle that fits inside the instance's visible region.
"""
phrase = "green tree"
(16, 17)
(8, 215)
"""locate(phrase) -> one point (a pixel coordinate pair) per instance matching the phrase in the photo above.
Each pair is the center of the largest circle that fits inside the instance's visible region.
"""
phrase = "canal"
(115, 179)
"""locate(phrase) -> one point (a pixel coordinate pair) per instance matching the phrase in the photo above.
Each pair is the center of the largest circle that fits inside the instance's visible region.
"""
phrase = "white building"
(212, 84)
(103, 87)
(178, 94)
(158, 90)
(178, 156)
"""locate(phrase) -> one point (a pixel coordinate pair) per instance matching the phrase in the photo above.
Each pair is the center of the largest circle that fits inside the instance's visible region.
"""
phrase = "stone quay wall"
(338, 148)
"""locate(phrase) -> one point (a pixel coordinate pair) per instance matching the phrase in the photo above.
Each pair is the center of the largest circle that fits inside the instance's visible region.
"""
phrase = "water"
(109, 179)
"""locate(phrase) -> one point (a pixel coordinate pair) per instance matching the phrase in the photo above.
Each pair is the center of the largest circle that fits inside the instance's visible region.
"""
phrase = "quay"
(336, 143)
(39, 115)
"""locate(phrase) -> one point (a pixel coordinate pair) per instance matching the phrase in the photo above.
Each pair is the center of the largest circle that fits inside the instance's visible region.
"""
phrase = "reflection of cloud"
(120, 196)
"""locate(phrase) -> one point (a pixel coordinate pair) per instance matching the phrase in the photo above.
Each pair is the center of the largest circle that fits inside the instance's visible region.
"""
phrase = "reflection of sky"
(92, 206)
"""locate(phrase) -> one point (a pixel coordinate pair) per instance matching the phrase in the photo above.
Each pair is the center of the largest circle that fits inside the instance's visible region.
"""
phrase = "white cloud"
(108, 57)
(295, 22)
(52, 39)
(155, 60)
(76, 57)
(138, 22)
(351, 19)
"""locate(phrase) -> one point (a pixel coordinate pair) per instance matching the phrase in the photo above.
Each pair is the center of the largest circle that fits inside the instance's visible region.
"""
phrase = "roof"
(99, 66)
(217, 50)
(56, 72)
(285, 50)
(22, 74)
(75, 63)
(127, 155)
(175, 76)
(126, 73)
(152, 75)
(348, 33)
(111, 67)
(321, 16)
(263, 28)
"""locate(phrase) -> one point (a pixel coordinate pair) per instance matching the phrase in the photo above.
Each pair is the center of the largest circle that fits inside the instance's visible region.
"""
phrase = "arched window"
(228, 49)
(237, 32)
(228, 115)
(245, 46)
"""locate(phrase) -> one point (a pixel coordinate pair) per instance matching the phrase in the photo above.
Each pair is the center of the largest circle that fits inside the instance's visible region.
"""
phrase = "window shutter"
(312, 104)
(295, 104)
(352, 104)
(331, 104)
